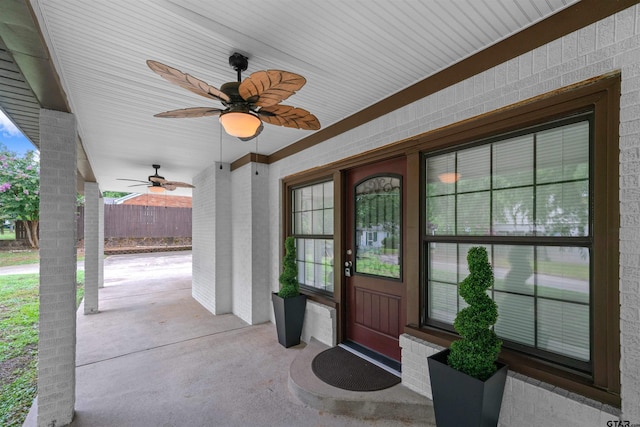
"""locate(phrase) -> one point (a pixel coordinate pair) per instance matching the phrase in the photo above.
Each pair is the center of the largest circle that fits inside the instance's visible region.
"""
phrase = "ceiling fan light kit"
(156, 189)
(248, 103)
(242, 124)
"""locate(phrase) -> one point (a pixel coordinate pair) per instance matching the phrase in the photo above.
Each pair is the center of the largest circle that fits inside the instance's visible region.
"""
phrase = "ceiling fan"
(157, 183)
(248, 103)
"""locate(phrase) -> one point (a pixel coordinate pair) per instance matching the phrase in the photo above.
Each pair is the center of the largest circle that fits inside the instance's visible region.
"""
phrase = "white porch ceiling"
(352, 53)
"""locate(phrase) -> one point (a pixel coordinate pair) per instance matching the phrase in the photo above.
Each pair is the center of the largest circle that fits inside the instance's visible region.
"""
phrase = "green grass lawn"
(19, 344)
(28, 256)
(8, 235)
(8, 258)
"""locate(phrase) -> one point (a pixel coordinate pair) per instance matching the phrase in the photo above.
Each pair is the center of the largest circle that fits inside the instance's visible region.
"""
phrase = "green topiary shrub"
(289, 286)
(476, 353)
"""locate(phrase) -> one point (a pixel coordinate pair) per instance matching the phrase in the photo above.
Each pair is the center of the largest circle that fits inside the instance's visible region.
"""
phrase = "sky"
(12, 138)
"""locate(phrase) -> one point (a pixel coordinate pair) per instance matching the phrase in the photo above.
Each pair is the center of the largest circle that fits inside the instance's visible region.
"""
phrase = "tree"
(20, 190)
(114, 194)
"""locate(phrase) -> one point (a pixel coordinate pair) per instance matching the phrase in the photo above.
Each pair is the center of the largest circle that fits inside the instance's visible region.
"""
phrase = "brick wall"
(609, 45)
(320, 323)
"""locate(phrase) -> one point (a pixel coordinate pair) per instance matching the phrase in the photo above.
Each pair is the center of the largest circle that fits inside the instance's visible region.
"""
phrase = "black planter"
(289, 313)
(462, 400)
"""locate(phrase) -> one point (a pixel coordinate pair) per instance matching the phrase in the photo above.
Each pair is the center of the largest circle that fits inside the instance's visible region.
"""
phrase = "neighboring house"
(150, 199)
(555, 126)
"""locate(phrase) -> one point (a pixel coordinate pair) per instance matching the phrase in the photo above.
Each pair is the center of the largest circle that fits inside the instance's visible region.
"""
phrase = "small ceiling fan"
(157, 183)
(248, 103)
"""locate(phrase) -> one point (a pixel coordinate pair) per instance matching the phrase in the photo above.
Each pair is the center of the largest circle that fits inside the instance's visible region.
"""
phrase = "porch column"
(57, 330)
(251, 227)
(211, 241)
(92, 207)
(101, 242)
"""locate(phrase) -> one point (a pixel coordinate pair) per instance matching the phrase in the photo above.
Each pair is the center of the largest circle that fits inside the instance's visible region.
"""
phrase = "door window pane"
(377, 208)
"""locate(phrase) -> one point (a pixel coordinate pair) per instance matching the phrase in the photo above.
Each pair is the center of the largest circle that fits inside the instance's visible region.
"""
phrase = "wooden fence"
(135, 221)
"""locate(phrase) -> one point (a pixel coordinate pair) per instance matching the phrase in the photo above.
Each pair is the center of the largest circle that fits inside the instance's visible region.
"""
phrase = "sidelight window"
(312, 227)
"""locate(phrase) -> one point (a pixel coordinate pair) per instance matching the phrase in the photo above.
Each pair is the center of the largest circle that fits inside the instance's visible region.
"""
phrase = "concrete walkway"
(153, 356)
(28, 269)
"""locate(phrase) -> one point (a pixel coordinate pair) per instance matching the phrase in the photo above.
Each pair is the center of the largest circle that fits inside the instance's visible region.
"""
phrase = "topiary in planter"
(476, 353)
(289, 286)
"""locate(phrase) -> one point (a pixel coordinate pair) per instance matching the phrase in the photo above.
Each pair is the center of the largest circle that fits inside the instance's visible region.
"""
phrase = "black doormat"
(341, 368)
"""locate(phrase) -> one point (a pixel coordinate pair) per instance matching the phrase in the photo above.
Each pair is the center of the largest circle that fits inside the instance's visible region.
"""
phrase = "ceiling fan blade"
(270, 87)
(177, 184)
(138, 185)
(168, 187)
(291, 117)
(187, 81)
(190, 113)
(135, 180)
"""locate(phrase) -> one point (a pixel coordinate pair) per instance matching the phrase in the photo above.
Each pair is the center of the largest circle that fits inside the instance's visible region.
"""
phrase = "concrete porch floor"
(153, 356)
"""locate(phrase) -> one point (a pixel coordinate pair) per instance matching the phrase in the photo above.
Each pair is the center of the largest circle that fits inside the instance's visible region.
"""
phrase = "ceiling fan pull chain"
(256, 155)
(220, 147)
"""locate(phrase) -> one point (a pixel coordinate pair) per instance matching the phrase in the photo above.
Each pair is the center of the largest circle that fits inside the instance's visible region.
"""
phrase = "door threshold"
(392, 366)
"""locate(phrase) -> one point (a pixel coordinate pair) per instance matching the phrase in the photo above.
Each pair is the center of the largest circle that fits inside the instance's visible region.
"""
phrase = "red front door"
(375, 289)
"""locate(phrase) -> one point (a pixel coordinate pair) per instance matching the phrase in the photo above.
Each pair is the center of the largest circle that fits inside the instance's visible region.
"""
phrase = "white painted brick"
(211, 274)
(605, 35)
(570, 47)
(624, 24)
(539, 59)
(251, 244)
(92, 206)
(513, 70)
(320, 323)
(554, 53)
(57, 338)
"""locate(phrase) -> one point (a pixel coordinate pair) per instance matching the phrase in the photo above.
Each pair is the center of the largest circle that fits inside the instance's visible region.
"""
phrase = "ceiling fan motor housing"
(156, 167)
(231, 90)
